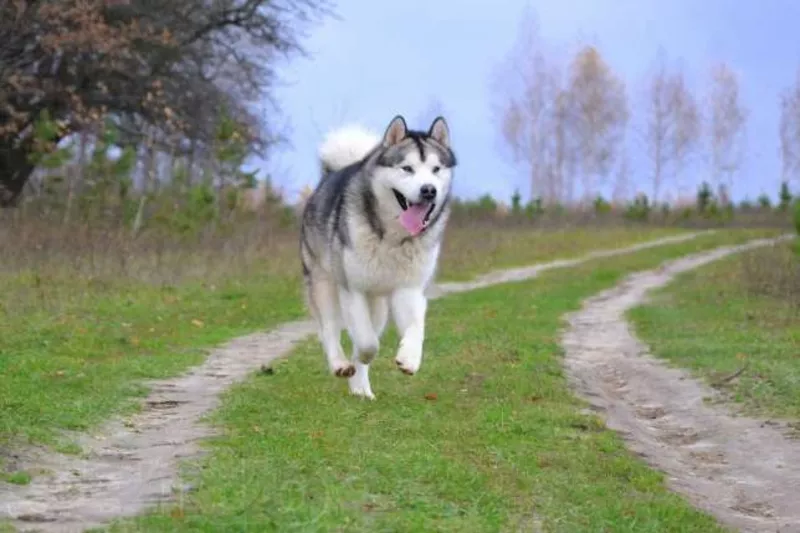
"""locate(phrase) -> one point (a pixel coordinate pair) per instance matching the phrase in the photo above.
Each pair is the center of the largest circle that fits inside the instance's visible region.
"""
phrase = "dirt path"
(746, 472)
(133, 464)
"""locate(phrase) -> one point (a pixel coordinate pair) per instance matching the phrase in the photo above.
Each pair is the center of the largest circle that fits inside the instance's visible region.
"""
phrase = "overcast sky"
(383, 58)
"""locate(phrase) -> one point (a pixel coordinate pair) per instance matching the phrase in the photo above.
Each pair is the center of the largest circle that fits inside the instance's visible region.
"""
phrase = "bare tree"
(789, 131)
(726, 127)
(599, 116)
(622, 181)
(673, 124)
(531, 108)
(561, 147)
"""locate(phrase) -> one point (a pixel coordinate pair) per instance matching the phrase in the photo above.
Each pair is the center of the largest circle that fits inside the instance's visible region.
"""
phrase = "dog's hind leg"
(379, 315)
(408, 308)
(323, 299)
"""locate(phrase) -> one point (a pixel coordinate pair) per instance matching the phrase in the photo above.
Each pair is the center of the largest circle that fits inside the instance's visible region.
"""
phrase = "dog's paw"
(359, 384)
(344, 369)
(408, 359)
(362, 392)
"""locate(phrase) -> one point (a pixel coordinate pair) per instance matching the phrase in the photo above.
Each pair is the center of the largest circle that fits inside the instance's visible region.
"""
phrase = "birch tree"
(599, 116)
(532, 112)
(673, 124)
(789, 131)
(726, 131)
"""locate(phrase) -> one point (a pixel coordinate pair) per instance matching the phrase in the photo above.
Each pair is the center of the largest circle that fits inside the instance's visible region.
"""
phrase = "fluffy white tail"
(344, 146)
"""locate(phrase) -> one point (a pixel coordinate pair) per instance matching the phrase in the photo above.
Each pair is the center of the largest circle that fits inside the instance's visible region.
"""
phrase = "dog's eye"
(436, 170)
(408, 169)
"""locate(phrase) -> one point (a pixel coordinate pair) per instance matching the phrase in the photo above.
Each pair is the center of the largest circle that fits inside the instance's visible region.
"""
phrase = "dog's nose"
(427, 192)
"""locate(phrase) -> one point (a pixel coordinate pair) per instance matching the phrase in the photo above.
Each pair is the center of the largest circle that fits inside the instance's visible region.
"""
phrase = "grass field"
(79, 332)
(738, 316)
(471, 251)
(487, 437)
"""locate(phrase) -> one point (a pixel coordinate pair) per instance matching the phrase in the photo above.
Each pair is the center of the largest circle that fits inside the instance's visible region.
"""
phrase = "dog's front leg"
(358, 320)
(408, 309)
(360, 327)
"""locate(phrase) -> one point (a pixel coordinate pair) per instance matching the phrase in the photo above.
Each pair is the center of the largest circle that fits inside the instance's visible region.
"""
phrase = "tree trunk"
(15, 170)
(76, 173)
(149, 180)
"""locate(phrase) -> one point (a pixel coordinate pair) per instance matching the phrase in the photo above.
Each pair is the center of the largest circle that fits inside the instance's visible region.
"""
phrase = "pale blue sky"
(384, 58)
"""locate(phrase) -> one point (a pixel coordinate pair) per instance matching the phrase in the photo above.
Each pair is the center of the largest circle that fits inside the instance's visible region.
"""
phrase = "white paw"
(362, 392)
(409, 358)
(359, 383)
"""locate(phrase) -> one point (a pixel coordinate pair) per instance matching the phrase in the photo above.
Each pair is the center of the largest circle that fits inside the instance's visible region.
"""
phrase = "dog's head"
(413, 173)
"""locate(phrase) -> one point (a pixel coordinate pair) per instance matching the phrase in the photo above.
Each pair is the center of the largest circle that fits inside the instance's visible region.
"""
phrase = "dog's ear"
(440, 132)
(395, 132)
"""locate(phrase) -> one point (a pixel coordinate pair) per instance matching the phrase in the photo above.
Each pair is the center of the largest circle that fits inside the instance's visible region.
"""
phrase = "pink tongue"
(413, 217)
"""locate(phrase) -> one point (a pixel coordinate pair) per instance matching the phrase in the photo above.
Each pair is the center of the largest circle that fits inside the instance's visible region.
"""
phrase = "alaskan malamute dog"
(370, 239)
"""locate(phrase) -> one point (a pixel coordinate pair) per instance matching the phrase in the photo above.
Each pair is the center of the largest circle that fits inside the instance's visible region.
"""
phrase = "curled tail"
(345, 146)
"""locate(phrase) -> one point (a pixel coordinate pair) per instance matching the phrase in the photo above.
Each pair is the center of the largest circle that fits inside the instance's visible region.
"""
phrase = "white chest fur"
(380, 265)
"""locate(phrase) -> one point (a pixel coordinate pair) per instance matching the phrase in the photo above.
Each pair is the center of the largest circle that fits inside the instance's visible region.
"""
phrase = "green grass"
(17, 478)
(74, 349)
(70, 369)
(469, 252)
(742, 310)
(487, 437)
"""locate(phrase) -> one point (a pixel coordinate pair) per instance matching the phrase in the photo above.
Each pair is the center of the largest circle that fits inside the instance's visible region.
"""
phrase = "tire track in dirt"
(132, 464)
(745, 472)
